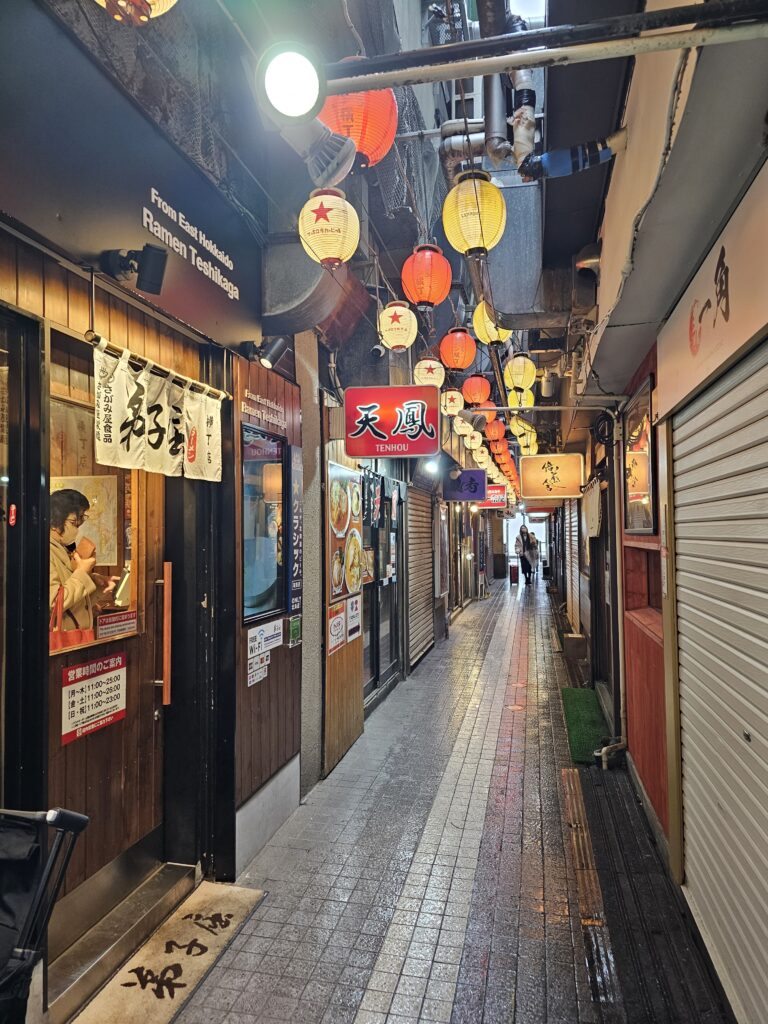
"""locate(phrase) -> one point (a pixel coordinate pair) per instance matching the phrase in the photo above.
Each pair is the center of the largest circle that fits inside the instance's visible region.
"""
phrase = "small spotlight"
(290, 83)
(475, 419)
(432, 466)
(148, 264)
(272, 350)
(474, 507)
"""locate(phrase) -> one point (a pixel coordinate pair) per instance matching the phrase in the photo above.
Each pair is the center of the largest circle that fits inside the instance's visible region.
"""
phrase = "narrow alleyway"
(430, 877)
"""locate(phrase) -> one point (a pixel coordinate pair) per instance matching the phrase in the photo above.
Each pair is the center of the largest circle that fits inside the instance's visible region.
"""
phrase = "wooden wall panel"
(646, 725)
(268, 729)
(114, 775)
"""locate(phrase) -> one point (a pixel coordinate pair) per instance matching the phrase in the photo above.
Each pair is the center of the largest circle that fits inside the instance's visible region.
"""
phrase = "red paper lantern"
(497, 447)
(476, 390)
(368, 118)
(488, 409)
(426, 276)
(457, 349)
(503, 458)
(495, 430)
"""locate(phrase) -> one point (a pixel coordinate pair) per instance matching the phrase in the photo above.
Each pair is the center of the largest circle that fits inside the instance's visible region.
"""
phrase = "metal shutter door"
(572, 562)
(421, 633)
(720, 446)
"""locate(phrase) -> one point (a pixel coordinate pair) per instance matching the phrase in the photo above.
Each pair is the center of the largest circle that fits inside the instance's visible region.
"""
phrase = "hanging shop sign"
(372, 490)
(724, 307)
(93, 696)
(337, 626)
(145, 421)
(469, 485)
(392, 422)
(295, 560)
(496, 497)
(345, 523)
(87, 196)
(551, 476)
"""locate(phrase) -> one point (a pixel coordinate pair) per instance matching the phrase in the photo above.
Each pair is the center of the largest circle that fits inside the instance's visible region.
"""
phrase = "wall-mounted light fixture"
(271, 350)
(148, 264)
(290, 83)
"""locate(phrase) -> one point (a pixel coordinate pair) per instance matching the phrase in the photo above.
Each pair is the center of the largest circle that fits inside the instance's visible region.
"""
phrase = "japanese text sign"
(724, 307)
(495, 498)
(552, 476)
(396, 422)
(145, 421)
(92, 696)
(469, 485)
(295, 559)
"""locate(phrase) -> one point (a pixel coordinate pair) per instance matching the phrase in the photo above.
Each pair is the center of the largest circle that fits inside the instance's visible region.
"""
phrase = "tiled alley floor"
(430, 877)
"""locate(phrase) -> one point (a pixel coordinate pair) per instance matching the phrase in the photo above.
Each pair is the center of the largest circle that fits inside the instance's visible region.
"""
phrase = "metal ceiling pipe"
(717, 13)
(497, 145)
(420, 73)
(455, 149)
(492, 20)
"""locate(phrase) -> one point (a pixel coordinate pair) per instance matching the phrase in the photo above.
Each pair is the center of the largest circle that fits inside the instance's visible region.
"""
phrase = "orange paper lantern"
(488, 409)
(368, 118)
(457, 349)
(476, 390)
(497, 447)
(503, 458)
(426, 276)
(495, 430)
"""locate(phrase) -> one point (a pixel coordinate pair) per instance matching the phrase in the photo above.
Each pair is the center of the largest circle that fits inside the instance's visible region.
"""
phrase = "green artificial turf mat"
(585, 723)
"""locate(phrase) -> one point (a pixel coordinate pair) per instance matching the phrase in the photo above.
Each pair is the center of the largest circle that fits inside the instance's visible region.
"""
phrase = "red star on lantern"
(452, 400)
(395, 318)
(429, 370)
(321, 212)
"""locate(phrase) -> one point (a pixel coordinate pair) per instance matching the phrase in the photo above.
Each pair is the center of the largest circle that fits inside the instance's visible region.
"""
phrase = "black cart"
(31, 875)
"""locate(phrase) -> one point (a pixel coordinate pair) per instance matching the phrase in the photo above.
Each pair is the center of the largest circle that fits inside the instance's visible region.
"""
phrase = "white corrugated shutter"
(421, 634)
(721, 533)
(572, 562)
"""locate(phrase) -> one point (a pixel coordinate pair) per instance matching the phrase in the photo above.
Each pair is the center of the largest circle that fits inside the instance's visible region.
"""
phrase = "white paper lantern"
(474, 440)
(451, 402)
(429, 371)
(461, 427)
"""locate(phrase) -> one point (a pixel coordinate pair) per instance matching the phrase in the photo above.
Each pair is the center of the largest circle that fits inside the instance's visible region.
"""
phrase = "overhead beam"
(716, 14)
(421, 73)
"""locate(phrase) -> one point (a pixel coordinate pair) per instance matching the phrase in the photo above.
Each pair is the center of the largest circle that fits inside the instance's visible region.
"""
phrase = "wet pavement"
(431, 877)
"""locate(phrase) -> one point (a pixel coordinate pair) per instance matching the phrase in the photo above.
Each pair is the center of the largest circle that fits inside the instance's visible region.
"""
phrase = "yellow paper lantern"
(518, 425)
(485, 326)
(474, 214)
(451, 402)
(329, 227)
(461, 427)
(520, 399)
(398, 326)
(529, 446)
(520, 373)
(429, 371)
(136, 12)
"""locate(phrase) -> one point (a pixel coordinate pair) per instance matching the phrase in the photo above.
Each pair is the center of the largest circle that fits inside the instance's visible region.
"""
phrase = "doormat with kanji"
(158, 979)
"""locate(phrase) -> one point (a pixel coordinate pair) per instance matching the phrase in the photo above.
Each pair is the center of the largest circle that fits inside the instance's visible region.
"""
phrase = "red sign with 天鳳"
(496, 497)
(399, 422)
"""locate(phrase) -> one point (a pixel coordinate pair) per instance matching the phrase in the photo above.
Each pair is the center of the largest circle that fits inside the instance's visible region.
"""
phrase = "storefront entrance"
(382, 600)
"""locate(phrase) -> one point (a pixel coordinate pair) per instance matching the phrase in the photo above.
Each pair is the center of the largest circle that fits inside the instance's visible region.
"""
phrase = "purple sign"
(469, 485)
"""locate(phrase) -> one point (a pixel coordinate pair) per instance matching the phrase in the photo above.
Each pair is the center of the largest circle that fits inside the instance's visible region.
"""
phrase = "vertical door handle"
(167, 609)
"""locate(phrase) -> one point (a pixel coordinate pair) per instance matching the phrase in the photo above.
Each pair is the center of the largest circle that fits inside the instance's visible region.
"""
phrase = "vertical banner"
(120, 421)
(165, 437)
(202, 429)
(295, 560)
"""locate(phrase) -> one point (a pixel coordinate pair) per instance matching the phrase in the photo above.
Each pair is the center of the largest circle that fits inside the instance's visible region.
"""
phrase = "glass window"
(91, 586)
(263, 569)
